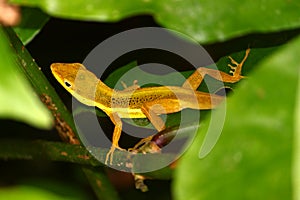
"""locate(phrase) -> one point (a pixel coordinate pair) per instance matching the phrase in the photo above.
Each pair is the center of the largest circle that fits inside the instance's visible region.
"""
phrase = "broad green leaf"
(32, 22)
(206, 21)
(253, 157)
(296, 157)
(29, 192)
(17, 99)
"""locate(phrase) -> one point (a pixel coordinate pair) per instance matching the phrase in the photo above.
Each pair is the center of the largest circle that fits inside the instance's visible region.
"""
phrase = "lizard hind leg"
(141, 143)
(194, 80)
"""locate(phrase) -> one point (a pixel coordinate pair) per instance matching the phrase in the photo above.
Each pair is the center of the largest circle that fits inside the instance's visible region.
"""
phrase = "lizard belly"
(128, 112)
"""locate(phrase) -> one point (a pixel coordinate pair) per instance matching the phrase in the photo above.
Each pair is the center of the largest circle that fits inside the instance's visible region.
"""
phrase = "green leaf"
(206, 21)
(33, 20)
(296, 157)
(29, 192)
(64, 121)
(17, 100)
(253, 157)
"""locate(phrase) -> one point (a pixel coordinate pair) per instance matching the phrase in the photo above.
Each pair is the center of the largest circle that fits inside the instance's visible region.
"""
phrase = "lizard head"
(77, 80)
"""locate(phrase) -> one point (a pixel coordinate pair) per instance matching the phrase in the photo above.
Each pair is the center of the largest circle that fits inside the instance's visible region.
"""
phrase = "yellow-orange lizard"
(137, 102)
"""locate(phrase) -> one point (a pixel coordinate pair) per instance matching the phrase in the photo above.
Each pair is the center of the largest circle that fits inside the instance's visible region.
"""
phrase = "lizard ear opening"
(81, 66)
(67, 83)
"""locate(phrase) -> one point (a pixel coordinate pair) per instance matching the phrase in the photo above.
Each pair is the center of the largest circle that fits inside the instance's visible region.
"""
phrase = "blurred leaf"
(44, 150)
(32, 22)
(101, 183)
(17, 100)
(253, 156)
(206, 21)
(29, 193)
(64, 122)
(296, 157)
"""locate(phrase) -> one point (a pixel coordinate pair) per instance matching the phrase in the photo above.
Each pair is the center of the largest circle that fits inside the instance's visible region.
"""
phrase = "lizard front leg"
(114, 117)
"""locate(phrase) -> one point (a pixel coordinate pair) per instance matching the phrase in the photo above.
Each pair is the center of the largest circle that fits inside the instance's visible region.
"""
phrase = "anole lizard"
(135, 102)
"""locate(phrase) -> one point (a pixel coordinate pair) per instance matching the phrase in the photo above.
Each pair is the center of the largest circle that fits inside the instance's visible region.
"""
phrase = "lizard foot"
(110, 154)
(134, 86)
(142, 142)
(236, 68)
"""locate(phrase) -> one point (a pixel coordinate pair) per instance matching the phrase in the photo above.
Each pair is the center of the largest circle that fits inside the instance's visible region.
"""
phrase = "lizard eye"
(67, 83)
